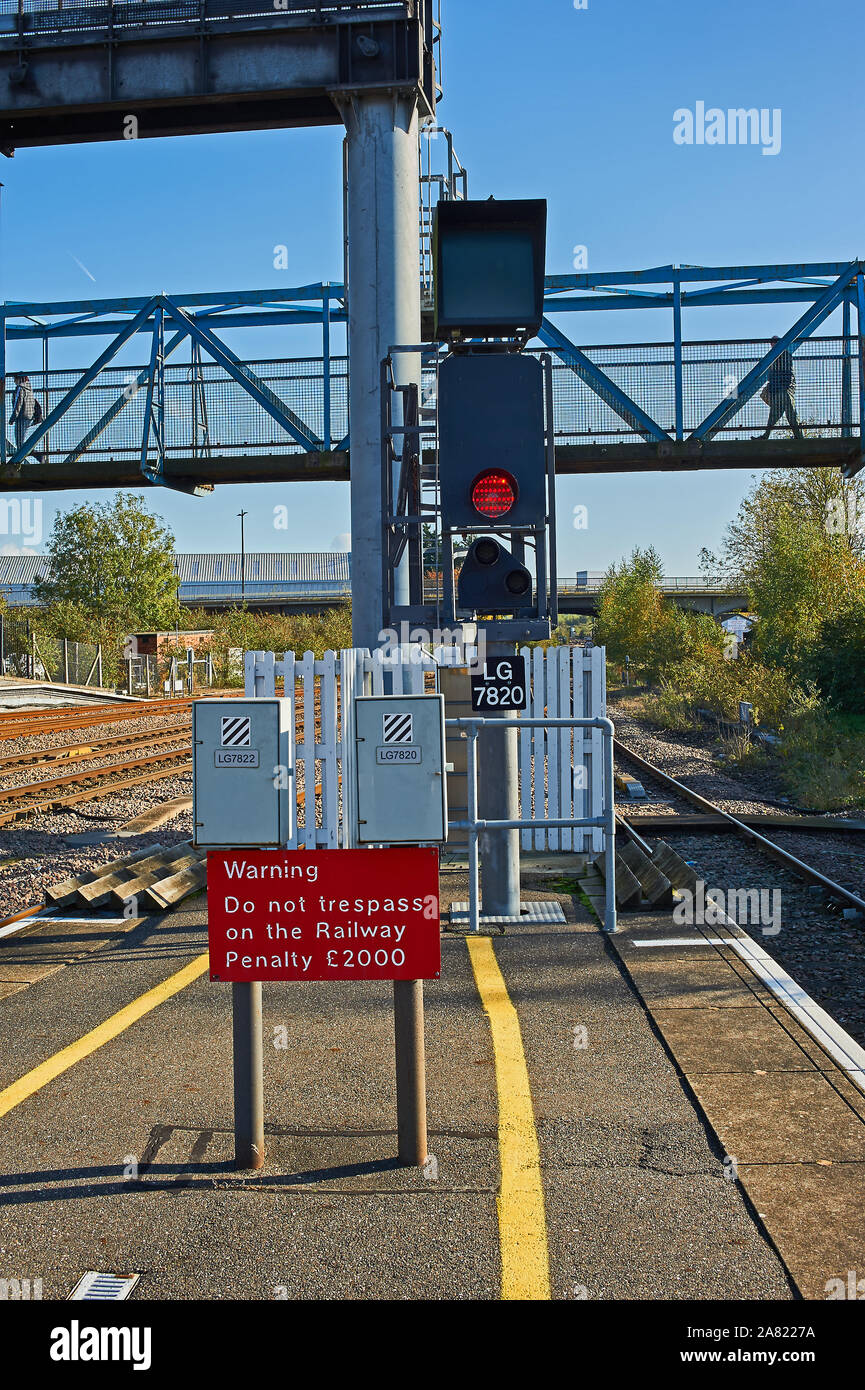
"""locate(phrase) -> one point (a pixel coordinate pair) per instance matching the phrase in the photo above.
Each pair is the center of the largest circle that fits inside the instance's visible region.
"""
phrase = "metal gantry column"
(383, 311)
(846, 384)
(3, 438)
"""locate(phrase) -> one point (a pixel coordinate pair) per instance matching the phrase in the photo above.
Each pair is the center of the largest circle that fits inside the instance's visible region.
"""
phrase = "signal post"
(497, 479)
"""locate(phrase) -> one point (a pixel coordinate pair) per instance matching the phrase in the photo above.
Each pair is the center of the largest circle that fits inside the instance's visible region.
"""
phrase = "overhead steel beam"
(185, 474)
(142, 69)
(666, 274)
(13, 308)
(635, 456)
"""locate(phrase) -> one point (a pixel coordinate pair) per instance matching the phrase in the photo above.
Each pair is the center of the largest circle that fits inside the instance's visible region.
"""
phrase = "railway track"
(91, 783)
(69, 789)
(36, 716)
(97, 747)
(40, 722)
(632, 822)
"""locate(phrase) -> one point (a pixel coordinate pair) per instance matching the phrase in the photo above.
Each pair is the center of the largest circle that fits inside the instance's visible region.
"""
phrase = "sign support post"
(248, 1075)
(410, 1072)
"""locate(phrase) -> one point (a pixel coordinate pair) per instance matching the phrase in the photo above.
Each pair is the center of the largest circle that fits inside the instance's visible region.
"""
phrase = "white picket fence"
(560, 769)
(322, 771)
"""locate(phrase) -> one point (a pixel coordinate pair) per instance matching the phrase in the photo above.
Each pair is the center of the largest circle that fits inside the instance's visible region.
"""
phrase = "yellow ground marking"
(34, 1080)
(522, 1220)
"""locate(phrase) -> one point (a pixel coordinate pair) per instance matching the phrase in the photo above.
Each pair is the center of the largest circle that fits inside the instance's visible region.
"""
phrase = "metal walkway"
(168, 400)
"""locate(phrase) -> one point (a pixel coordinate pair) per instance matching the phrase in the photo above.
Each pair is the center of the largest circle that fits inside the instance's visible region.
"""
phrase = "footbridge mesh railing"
(826, 372)
(53, 17)
(207, 412)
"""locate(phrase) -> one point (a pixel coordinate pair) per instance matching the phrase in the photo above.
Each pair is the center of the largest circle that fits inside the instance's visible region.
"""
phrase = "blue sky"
(545, 100)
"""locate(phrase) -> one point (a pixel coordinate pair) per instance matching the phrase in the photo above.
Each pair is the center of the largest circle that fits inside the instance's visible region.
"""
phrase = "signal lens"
(494, 492)
(518, 583)
(487, 551)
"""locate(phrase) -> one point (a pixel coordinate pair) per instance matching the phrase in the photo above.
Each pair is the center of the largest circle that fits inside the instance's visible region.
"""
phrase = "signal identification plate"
(236, 757)
(399, 754)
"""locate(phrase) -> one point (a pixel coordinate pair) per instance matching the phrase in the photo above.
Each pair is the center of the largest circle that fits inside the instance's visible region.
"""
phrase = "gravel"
(36, 850)
(824, 952)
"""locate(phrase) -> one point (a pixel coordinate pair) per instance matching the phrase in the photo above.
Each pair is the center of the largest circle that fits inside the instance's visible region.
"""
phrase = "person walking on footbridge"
(779, 394)
(26, 410)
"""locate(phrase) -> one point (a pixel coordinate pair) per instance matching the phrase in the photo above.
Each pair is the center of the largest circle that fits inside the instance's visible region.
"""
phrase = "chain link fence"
(31, 655)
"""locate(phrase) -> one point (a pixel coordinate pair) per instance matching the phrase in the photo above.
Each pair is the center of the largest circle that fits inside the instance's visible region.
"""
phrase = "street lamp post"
(242, 514)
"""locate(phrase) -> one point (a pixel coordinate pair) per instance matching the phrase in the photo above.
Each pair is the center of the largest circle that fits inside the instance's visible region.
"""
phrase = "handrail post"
(325, 349)
(846, 384)
(610, 924)
(677, 358)
(472, 808)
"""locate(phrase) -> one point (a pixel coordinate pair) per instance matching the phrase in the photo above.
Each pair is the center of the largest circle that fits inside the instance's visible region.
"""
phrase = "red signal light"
(494, 492)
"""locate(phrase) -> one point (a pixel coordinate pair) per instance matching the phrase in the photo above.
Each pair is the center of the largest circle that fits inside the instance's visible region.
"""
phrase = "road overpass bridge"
(286, 582)
(718, 598)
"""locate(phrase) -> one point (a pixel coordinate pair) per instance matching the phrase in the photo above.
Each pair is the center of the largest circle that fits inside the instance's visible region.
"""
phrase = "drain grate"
(111, 1288)
(530, 913)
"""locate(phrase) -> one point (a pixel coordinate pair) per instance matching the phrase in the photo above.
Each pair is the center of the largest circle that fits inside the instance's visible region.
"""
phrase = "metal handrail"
(473, 726)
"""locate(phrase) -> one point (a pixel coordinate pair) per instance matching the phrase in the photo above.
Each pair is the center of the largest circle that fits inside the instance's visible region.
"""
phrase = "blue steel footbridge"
(167, 399)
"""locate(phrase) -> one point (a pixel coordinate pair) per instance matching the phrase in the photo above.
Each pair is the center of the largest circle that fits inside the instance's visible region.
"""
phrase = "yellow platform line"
(34, 1080)
(522, 1218)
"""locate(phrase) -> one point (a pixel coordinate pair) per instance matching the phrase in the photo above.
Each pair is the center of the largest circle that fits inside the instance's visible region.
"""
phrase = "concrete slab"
(816, 1213)
(27, 973)
(730, 1040)
(781, 1118)
(159, 814)
(688, 984)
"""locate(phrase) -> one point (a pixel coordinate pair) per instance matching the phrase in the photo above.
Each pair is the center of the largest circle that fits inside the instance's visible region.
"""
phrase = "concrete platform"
(123, 1161)
(790, 1119)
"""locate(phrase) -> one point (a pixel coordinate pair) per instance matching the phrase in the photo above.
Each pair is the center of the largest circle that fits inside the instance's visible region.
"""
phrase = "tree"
(109, 570)
(432, 548)
(818, 498)
(634, 619)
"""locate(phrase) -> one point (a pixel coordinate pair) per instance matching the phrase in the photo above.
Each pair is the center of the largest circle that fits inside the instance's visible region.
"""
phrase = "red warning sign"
(352, 914)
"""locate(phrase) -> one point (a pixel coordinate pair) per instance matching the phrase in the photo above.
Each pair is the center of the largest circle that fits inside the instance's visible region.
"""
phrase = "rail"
(670, 584)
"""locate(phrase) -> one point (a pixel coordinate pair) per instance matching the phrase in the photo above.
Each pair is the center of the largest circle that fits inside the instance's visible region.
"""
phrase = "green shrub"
(823, 761)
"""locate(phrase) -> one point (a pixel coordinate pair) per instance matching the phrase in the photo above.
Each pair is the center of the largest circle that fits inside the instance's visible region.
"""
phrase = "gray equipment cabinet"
(401, 785)
(242, 766)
